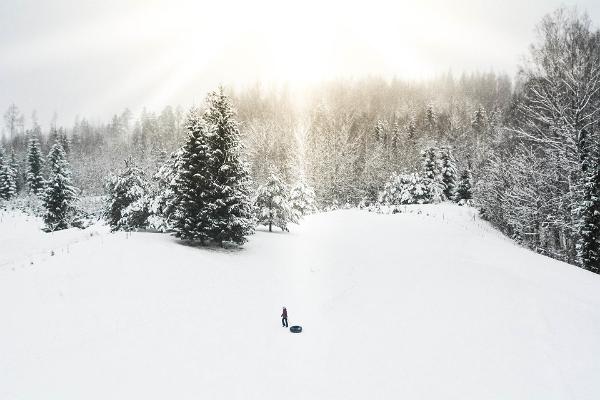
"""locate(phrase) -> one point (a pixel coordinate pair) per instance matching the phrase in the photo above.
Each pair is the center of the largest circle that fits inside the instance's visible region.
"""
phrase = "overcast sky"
(93, 58)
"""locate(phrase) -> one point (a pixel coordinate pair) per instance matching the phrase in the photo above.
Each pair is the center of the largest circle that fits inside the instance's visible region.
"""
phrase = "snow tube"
(295, 329)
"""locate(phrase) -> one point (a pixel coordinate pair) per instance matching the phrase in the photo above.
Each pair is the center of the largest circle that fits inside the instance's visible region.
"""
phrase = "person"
(284, 318)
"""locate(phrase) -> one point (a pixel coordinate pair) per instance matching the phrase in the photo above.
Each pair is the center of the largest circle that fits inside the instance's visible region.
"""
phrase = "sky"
(94, 58)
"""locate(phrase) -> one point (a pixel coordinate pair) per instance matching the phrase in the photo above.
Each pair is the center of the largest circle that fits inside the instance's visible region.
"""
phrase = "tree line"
(524, 152)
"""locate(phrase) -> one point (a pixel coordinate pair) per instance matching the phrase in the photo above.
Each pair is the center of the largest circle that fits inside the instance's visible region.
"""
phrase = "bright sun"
(272, 41)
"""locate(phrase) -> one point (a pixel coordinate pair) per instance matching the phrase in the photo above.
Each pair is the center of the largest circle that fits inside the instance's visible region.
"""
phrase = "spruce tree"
(429, 160)
(431, 172)
(448, 172)
(64, 141)
(231, 206)
(14, 164)
(479, 121)
(127, 207)
(59, 195)
(589, 241)
(464, 191)
(273, 206)
(302, 198)
(35, 181)
(194, 189)
(8, 187)
(3, 161)
(164, 199)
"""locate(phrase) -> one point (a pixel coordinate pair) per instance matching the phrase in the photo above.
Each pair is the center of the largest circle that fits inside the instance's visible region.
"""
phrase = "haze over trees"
(524, 152)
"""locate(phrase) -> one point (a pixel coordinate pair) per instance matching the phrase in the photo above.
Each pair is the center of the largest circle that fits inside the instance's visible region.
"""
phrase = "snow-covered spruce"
(8, 175)
(59, 195)
(163, 199)
(432, 172)
(192, 217)
(212, 196)
(589, 242)
(230, 204)
(448, 173)
(302, 198)
(16, 171)
(273, 205)
(127, 207)
(35, 181)
(406, 189)
(464, 193)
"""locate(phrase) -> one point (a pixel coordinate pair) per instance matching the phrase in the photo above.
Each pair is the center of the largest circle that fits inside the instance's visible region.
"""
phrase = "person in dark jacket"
(284, 318)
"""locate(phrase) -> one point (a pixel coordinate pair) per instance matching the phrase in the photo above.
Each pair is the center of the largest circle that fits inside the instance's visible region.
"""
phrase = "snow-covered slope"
(427, 304)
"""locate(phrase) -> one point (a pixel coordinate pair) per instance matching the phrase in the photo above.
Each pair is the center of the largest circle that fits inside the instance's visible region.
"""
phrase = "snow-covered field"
(428, 304)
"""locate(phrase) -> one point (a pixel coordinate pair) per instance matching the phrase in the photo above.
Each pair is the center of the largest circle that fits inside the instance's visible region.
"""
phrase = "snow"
(431, 303)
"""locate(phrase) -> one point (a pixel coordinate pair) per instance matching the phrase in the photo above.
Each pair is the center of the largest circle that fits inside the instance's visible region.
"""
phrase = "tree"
(13, 120)
(589, 241)
(35, 181)
(8, 187)
(555, 114)
(273, 206)
(127, 207)
(59, 195)
(302, 198)
(464, 193)
(14, 164)
(406, 189)
(193, 218)
(431, 171)
(64, 140)
(231, 206)
(430, 119)
(164, 197)
(448, 172)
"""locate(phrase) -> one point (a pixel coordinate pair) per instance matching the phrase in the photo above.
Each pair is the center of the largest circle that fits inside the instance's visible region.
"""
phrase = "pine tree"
(448, 172)
(479, 121)
(59, 195)
(164, 199)
(464, 192)
(35, 181)
(273, 205)
(431, 171)
(395, 138)
(8, 187)
(194, 189)
(64, 141)
(231, 215)
(302, 198)
(127, 207)
(14, 164)
(589, 242)
(406, 189)
(430, 119)
(379, 131)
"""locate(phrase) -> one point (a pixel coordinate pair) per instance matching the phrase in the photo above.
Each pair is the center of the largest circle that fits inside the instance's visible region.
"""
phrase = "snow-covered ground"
(428, 304)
